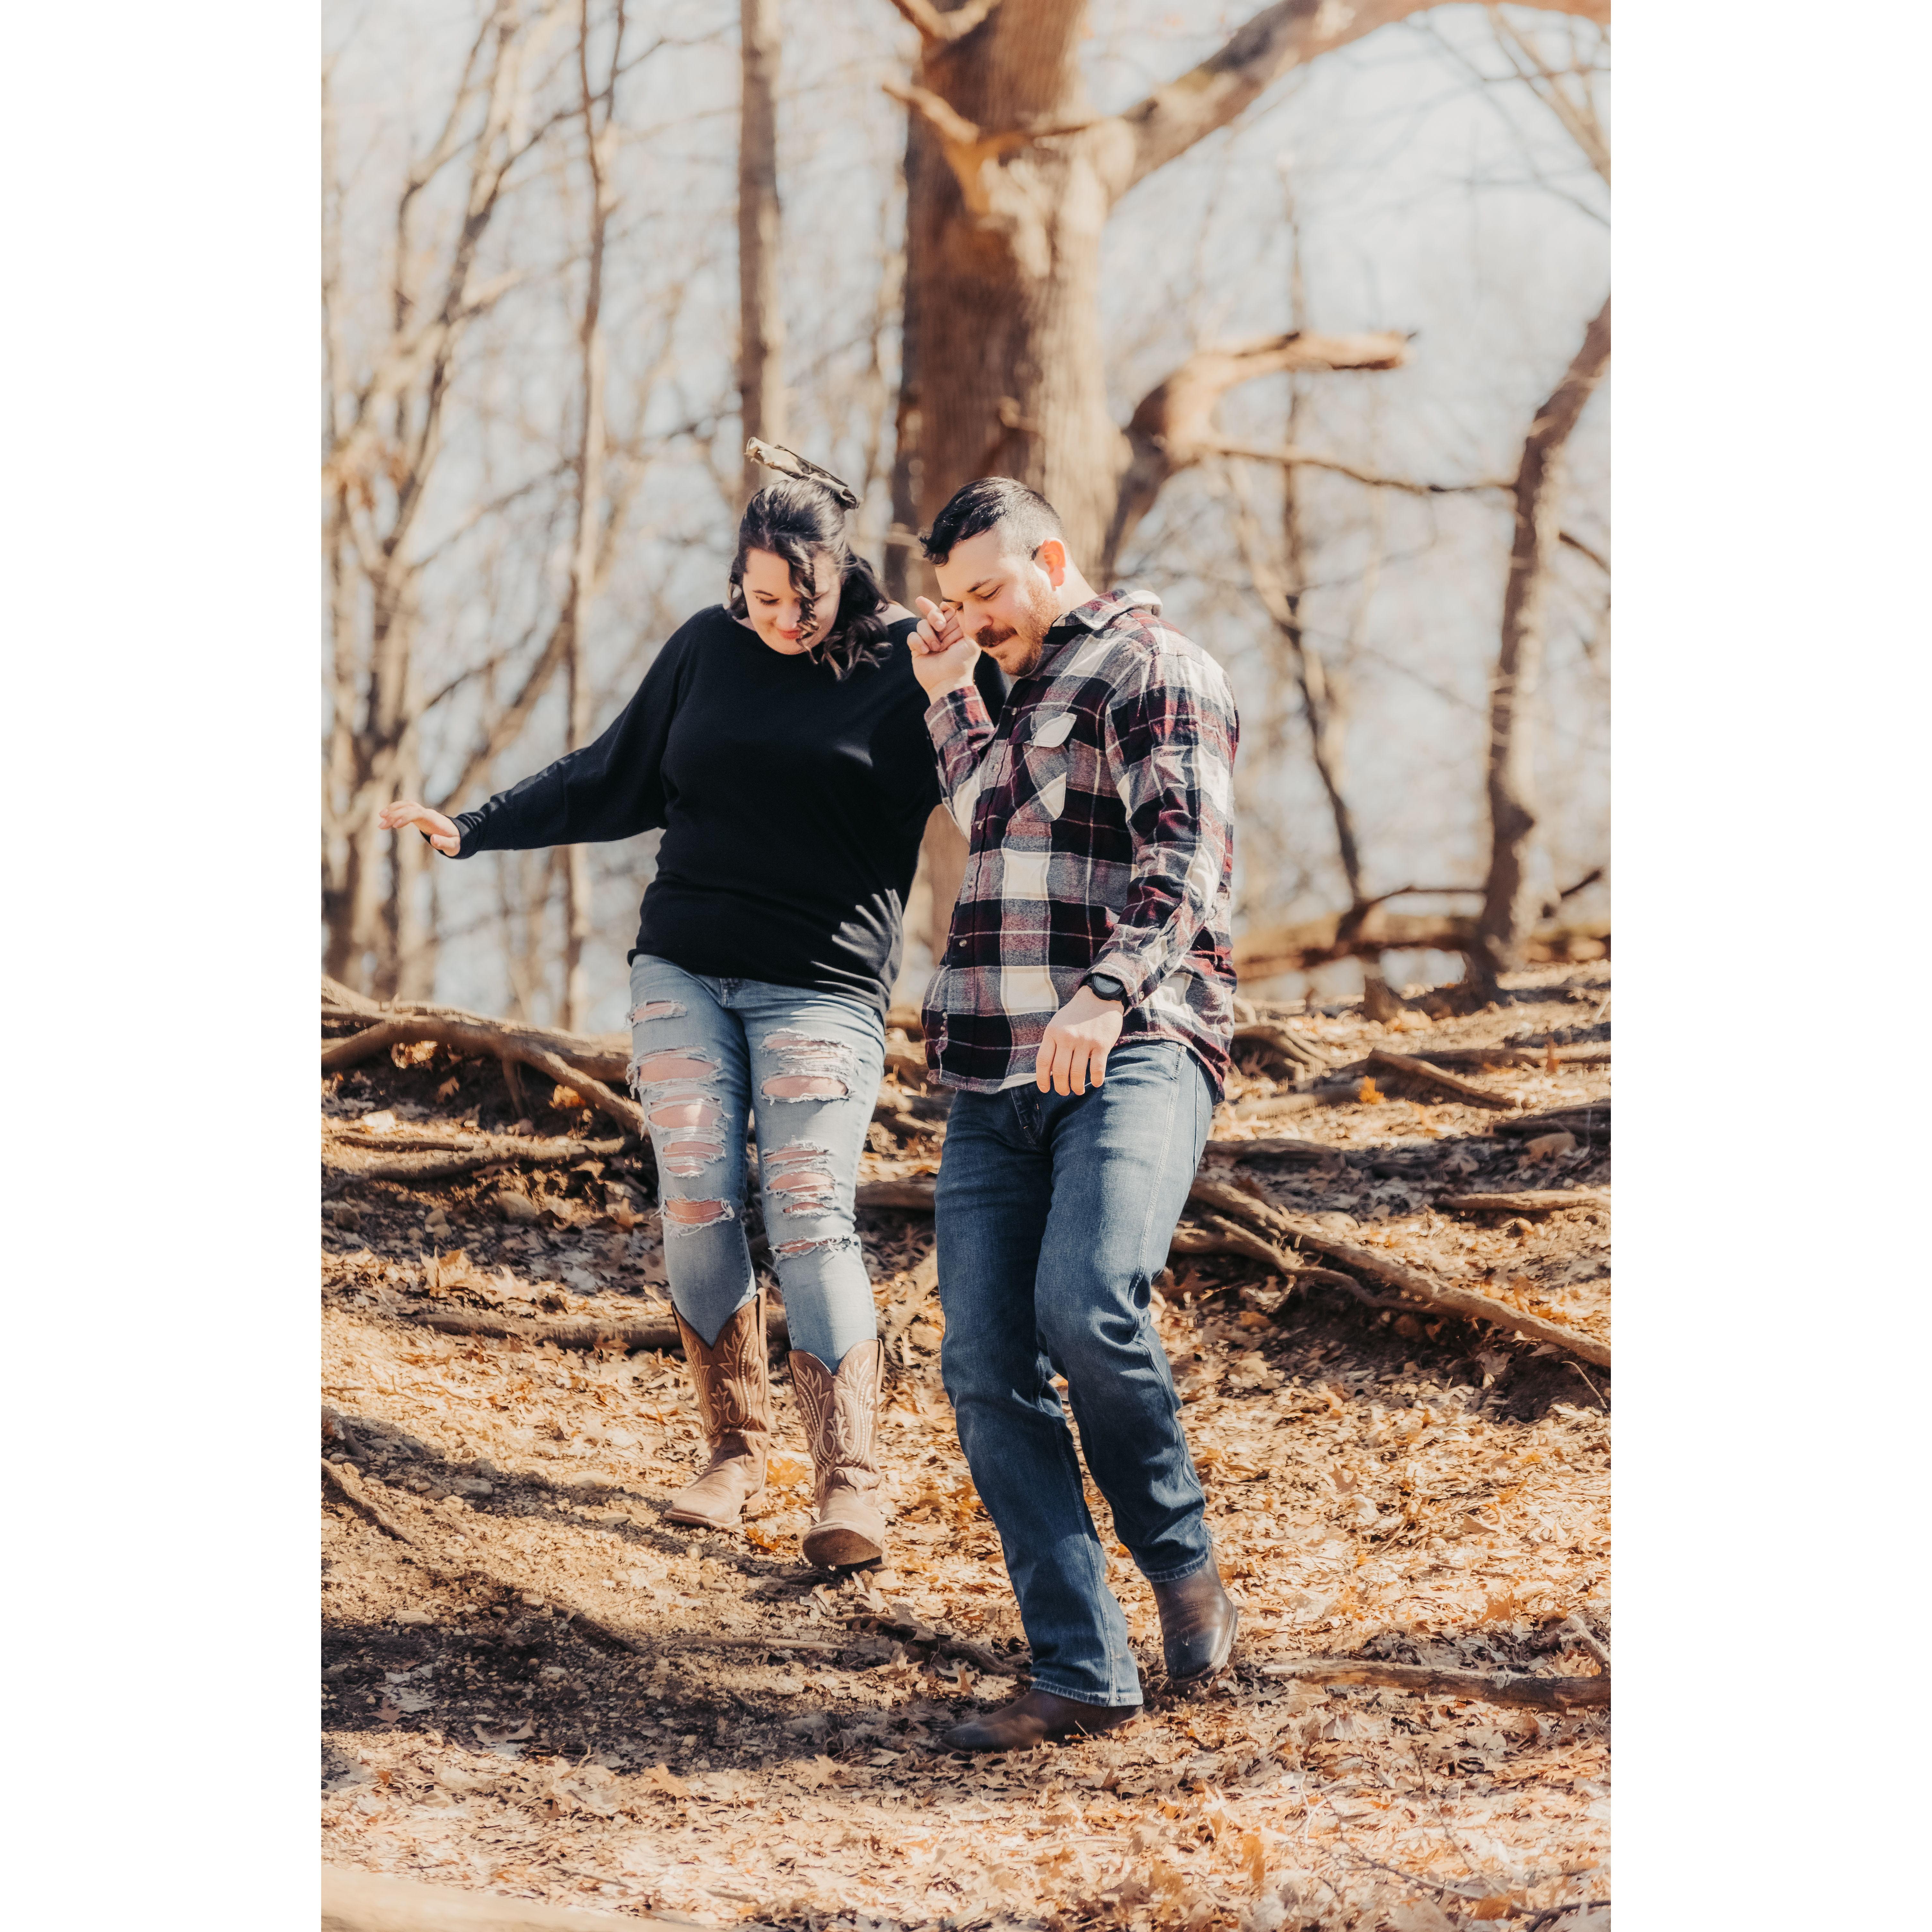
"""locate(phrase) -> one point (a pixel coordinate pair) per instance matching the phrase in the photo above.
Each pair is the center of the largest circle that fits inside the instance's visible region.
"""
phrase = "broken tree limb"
(588, 1333)
(1488, 1687)
(942, 1643)
(1590, 1121)
(392, 1158)
(1421, 1070)
(1535, 1201)
(362, 1901)
(1227, 1198)
(1517, 1056)
(1277, 1039)
(1218, 1235)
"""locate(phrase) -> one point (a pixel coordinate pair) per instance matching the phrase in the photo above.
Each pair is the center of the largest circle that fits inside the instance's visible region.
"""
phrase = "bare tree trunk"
(590, 454)
(761, 320)
(1510, 902)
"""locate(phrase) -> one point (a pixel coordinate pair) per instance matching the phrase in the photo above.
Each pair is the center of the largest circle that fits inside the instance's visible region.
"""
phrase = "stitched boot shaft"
(734, 1409)
(840, 1415)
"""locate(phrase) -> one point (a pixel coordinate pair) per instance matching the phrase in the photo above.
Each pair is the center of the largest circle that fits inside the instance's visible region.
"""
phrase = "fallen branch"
(1421, 1070)
(1260, 955)
(343, 1478)
(1229, 1198)
(444, 1158)
(1590, 1121)
(362, 1901)
(589, 1333)
(1536, 1200)
(1218, 1235)
(913, 1193)
(1271, 1034)
(1518, 1056)
(1488, 1687)
(1261, 1147)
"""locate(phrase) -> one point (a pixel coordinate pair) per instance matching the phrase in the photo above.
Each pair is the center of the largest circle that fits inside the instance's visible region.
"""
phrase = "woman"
(779, 740)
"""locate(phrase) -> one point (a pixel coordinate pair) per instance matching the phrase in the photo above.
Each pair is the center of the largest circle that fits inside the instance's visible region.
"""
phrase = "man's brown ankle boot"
(841, 1414)
(734, 1408)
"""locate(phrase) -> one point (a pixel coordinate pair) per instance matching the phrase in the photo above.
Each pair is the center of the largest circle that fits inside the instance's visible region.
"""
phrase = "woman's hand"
(442, 833)
(942, 656)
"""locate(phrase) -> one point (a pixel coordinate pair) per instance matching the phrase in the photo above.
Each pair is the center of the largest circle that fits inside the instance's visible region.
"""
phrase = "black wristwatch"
(1106, 987)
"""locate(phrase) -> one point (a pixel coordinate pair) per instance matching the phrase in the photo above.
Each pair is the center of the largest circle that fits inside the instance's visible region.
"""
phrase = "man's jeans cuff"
(1084, 1694)
(1181, 1575)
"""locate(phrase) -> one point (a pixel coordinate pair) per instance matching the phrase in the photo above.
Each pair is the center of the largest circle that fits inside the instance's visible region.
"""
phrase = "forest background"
(1279, 357)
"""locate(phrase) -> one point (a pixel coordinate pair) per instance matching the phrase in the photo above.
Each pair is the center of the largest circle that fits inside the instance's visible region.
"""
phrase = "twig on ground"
(1421, 1070)
(942, 1643)
(1488, 1687)
(1590, 1121)
(1218, 1235)
(1533, 1201)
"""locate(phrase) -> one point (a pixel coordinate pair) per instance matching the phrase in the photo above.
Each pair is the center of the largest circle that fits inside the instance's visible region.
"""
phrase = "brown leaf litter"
(545, 1691)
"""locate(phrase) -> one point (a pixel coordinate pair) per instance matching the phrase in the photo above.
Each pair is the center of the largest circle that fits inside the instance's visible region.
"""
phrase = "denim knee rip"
(686, 1120)
(809, 1068)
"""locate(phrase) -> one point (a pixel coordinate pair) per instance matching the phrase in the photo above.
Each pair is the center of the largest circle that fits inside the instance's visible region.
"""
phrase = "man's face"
(1005, 600)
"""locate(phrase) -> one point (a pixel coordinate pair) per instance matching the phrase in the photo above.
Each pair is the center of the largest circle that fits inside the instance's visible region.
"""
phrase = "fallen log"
(444, 1158)
(1516, 1056)
(1218, 1235)
(913, 1192)
(587, 1333)
(1421, 1070)
(1488, 1687)
(1224, 1197)
(362, 1901)
(1534, 1201)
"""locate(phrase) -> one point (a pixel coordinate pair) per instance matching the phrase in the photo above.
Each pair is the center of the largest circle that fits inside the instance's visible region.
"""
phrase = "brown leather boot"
(734, 1408)
(841, 1414)
(1034, 1717)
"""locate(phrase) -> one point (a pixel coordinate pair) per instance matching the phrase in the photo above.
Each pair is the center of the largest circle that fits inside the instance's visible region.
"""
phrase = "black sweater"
(792, 804)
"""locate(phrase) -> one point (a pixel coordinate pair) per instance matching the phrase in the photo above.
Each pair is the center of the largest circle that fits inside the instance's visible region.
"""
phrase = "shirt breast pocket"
(1045, 754)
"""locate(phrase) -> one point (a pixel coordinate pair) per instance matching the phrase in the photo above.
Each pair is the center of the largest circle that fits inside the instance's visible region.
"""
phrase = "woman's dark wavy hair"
(796, 519)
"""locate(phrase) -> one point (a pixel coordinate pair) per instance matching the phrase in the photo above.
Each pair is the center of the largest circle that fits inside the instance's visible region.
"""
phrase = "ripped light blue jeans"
(804, 1067)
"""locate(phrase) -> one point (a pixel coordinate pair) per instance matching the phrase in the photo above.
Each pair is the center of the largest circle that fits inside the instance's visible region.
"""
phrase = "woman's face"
(775, 610)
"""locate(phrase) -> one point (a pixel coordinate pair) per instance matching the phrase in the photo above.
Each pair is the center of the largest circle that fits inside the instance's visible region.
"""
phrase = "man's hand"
(1073, 1050)
(942, 656)
(406, 812)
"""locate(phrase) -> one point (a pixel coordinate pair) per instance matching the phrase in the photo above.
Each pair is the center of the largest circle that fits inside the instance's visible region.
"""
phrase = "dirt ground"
(735, 1739)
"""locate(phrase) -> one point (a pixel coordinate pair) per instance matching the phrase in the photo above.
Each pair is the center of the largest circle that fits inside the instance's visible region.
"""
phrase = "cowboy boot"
(1036, 1718)
(1198, 1621)
(841, 1414)
(734, 1408)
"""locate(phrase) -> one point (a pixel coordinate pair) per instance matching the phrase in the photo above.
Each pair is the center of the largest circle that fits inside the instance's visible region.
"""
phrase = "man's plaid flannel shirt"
(1098, 822)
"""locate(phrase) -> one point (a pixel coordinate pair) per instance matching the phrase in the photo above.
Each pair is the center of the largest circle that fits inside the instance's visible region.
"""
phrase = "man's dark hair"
(1027, 519)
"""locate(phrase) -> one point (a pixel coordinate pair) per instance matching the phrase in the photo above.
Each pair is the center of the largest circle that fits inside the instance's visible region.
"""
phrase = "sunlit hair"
(796, 521)
(1024, 518)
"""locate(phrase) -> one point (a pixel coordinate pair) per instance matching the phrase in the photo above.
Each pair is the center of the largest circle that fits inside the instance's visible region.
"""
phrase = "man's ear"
(1051, 558)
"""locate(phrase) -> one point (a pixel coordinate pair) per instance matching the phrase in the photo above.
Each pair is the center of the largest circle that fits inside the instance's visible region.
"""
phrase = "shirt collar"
(1096, 614)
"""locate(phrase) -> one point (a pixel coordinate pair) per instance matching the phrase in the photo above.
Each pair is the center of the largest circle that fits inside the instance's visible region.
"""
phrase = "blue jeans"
(1055, 1213)
(804, 1066)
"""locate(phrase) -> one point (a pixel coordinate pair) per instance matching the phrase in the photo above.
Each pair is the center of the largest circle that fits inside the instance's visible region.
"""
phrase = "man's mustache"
(995, 635)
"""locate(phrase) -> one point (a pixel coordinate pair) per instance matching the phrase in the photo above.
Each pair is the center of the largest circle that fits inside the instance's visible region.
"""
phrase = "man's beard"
(1042, 614)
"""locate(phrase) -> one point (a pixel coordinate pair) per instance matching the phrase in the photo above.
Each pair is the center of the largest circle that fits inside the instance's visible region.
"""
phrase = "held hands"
(406, 812)
(1073, 1050)
(943, 655)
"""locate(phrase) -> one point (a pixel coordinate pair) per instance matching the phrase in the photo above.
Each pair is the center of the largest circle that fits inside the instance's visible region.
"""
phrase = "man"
(1083, 1011)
